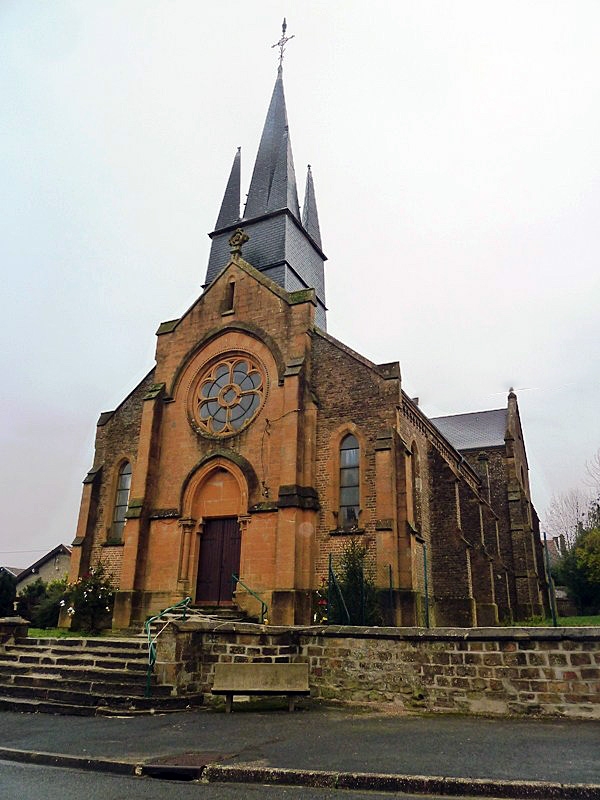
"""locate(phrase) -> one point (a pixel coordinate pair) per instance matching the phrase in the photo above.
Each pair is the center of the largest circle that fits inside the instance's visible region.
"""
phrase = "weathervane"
(282, 43)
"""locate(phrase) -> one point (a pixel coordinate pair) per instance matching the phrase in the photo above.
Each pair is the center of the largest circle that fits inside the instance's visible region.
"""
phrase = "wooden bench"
(255, 679)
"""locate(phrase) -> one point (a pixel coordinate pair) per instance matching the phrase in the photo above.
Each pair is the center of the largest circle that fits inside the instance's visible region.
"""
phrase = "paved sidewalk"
(319, 739)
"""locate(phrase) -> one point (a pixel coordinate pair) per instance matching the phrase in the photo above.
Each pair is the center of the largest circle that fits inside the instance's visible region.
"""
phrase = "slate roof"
(273, 184)
(283, 245)
(230, 207)
(477, 429)
(310, 216)
(14, 571)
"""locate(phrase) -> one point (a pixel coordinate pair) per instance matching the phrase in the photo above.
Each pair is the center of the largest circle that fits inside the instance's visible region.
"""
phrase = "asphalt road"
(21, 782)
(564, 751)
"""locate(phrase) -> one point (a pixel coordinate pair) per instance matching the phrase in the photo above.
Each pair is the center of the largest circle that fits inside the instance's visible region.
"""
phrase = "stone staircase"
(201, 614)
(220, 613)
(83, 676)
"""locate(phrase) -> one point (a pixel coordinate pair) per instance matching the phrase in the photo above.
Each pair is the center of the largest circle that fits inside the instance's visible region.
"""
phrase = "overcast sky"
(455, 148)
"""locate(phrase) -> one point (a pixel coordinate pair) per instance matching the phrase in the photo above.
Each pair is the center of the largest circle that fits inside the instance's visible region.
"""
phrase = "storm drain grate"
(181, 766)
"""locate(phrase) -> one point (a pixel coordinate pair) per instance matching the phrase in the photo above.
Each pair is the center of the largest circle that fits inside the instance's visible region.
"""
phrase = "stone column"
(185, 548)
(528, 597)
(482, 576)
(127, 600)
(450, 556)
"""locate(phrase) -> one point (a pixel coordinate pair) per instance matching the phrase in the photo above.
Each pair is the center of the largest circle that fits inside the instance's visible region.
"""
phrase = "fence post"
(550, 583)
(329, 590)
(362, 596)
(391, 595)
(426, 585)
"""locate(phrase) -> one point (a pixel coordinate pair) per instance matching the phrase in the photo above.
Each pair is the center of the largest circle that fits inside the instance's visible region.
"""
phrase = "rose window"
(229, 395)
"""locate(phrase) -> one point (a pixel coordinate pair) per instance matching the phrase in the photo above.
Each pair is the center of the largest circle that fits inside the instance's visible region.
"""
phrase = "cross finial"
(282, 43)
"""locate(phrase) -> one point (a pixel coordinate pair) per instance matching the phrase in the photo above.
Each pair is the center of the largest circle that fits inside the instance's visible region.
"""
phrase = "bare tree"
(566, 515)
(592, 469)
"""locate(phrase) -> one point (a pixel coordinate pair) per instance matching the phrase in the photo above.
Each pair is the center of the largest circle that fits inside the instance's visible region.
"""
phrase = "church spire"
(281, 245)
(310, 217)
(230, 207)
(273, 184)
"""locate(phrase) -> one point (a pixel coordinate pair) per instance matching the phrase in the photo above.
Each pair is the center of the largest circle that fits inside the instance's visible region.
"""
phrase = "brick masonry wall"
(352, 397)
(116, 440)
(519, 671)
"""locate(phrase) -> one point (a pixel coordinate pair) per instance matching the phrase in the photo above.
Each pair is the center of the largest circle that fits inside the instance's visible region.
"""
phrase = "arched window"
(349, 483)
(416, 485)
(121, 501)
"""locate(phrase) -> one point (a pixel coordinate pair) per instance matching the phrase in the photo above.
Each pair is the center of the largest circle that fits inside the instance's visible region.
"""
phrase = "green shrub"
(90, 600)
(359, 606)
(7, 594)
(46, 614)
(30, 599)
(40, 602)
(578, 569)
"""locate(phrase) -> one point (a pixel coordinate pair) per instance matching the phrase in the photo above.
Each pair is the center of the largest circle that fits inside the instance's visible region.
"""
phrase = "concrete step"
(37, 706)
(101, 696)
(77, 658)
(86, 642)
(106, 657)
(74, 672)
(134, 706)
(197, 613)
(83, 676)
(89, 686)
(134, 648)
(33, 662)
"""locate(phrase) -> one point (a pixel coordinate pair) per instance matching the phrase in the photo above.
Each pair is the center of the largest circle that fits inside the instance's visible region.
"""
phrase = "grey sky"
(455, 148)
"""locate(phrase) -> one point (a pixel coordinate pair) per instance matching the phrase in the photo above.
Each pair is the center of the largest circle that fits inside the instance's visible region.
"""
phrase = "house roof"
(474, 430)
(14, 571)
(61, 549)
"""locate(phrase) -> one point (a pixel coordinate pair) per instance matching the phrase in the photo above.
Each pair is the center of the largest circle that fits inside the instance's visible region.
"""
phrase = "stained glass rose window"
(229, 395)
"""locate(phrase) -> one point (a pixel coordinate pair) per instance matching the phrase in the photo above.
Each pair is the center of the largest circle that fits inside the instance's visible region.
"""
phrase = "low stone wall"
(550, 671)
(12, 629)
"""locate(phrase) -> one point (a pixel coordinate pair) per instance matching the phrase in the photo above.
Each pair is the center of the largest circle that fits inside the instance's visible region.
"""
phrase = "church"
(259, 444)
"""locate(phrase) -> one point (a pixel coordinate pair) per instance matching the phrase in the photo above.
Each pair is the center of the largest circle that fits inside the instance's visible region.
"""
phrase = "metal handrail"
(183, 605)
(263, 605)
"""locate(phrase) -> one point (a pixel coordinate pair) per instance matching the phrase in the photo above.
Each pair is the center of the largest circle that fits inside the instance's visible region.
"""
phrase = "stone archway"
(216, 501)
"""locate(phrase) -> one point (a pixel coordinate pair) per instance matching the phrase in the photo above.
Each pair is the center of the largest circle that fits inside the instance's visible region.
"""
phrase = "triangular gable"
(291, 298)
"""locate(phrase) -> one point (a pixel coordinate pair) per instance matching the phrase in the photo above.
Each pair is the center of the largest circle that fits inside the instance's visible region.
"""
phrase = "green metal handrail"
(183, 605)
(263, 605)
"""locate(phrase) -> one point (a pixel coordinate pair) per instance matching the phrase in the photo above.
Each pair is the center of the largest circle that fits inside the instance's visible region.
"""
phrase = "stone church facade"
(258, 444)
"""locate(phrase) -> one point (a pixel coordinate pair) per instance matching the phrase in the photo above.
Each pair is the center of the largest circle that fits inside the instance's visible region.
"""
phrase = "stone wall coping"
(405, 634)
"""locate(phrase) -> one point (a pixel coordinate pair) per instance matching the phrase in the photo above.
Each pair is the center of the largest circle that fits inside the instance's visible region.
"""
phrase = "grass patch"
(64, 633)
(50, 633)
(563, 622)
(573, 622)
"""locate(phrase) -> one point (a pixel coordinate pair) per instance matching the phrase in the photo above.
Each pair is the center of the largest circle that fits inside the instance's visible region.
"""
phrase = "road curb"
(416, 784)
(365, 781)
(72, 762)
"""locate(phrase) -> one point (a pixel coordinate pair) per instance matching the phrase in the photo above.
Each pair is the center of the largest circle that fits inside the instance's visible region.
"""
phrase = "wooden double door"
(220, 546)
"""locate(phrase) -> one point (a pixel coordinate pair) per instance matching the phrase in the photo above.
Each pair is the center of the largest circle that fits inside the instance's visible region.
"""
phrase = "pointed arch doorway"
(217, 498)
(220, 550)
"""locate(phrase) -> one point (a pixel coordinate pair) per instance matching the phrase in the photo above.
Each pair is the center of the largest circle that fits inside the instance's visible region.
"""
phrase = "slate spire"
(273, 184)
(230, 207)
(310, 216)
(281, 245)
